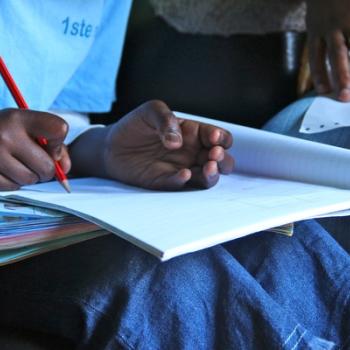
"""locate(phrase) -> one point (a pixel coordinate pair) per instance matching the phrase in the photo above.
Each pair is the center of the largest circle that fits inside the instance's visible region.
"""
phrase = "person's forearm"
(87, 153)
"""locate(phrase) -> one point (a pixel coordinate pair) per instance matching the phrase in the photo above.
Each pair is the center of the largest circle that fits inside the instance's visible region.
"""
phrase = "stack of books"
(27, 230)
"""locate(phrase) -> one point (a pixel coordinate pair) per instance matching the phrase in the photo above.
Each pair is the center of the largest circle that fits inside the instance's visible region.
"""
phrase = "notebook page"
(168, 224)
(269, 154)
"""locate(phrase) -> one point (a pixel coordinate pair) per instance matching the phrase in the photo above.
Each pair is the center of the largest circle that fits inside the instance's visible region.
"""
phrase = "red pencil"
(60, 175)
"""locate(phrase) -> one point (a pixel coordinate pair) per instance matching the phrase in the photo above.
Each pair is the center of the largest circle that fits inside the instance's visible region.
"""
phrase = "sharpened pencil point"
(65, 185)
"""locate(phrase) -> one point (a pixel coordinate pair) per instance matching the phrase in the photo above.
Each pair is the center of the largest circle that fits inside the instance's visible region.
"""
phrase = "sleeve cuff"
(78, 124)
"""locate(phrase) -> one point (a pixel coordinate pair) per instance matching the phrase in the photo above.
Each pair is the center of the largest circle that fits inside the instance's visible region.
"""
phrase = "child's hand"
(152, 148)
(328, 25)
(22, 160)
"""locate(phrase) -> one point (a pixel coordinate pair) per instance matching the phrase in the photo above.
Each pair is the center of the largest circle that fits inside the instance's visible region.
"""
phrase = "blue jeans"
(289, 119)
(264, 291)
(288, 122)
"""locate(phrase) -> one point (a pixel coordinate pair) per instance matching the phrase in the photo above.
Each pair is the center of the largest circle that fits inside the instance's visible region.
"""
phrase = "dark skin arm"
(328, 26)
(152, 148)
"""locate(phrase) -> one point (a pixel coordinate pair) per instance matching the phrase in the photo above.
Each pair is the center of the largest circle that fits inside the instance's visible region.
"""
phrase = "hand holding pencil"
(31, 143)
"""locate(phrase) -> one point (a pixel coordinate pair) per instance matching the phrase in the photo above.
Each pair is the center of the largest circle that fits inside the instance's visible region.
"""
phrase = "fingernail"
(221, 138)
(213, 173)
(221, 157)
(216, 137)
(57, 154)
(172, 137)
(344, 95)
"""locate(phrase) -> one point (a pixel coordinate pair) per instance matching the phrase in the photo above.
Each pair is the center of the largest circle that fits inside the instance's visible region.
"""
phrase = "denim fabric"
(266, 291)
(288, 122)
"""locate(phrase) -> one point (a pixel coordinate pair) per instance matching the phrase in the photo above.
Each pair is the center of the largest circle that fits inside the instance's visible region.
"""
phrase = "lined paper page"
(269, 154)
(168, 224)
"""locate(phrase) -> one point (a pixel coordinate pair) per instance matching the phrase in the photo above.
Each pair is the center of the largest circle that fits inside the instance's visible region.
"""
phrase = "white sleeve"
(78, 123)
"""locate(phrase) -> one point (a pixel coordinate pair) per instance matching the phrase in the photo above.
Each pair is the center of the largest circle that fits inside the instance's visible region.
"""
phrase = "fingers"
(173, 152)
(339, 61)
(171, 181)
(45, 124)
(317, 58)
(48, 128)
(15, 174)
(334, 48)
(36, 159)
(28, 166)
(199, 177)
(211, 164)
(171, 129)
(160, 117)
(208, 173)
(224, 161)
(211, 135)
(7, 185)
(22, 160)
(206, 176)
(64, 160)
(217, 154)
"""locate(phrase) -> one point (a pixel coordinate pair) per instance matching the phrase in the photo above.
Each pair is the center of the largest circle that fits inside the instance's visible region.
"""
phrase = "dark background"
(242, 78)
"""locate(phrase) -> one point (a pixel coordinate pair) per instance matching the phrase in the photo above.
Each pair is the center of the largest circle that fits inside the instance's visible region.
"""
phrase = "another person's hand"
(328, 26)
(152, 148)
(22, 160)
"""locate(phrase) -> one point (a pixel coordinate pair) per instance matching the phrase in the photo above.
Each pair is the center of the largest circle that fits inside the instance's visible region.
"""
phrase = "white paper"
(168, 224)
(269, 154)
(325, 114)
(336, 214)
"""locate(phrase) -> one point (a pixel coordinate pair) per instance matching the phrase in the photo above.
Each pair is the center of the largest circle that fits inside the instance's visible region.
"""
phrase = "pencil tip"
(66, 186)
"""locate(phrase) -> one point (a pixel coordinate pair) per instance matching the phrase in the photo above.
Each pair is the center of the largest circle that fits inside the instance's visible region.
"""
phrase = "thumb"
(64, 159)
(160, 117)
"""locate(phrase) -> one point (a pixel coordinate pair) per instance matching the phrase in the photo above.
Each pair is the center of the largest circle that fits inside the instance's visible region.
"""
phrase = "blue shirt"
(65, 54)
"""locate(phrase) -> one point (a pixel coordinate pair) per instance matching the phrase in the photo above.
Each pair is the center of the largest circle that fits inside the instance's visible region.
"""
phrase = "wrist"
(87, 153)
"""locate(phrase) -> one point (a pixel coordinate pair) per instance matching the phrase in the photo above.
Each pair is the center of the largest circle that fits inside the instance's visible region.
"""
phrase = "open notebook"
(277, 180)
